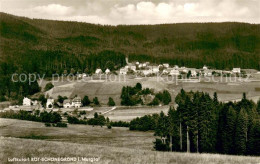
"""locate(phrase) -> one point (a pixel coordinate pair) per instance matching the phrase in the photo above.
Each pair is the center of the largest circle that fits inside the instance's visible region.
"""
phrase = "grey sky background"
(116, 12)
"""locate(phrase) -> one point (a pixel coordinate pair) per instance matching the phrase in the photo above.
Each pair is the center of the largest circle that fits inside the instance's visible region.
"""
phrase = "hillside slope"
(220, 45)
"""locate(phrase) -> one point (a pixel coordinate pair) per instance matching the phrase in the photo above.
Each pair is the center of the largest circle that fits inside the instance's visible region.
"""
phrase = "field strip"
(109, 110)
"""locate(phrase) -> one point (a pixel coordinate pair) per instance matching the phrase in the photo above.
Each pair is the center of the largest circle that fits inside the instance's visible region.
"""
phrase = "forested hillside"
(46, 47)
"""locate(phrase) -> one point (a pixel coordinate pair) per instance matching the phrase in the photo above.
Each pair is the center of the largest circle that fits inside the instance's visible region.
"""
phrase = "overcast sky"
(116, 12)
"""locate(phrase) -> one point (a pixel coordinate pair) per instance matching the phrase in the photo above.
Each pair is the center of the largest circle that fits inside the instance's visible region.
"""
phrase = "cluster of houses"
(29, 105)
(148, 70)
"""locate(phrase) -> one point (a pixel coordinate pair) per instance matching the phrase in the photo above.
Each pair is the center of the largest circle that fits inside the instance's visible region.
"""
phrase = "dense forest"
(46, 47)
(203, 124)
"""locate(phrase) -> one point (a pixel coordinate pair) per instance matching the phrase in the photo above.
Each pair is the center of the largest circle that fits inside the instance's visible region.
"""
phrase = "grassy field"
(116, 137)
(127, 113)
(227, 90)
(117, 145)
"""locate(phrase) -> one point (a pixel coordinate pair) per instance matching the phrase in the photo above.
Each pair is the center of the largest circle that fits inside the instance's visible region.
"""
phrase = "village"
(147, 69)
(136, 68)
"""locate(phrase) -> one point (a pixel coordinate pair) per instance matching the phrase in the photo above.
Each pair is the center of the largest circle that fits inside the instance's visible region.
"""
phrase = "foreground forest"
(47, 47)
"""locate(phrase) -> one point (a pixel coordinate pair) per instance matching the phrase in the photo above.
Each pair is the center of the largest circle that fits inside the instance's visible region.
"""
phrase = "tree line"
(203, 124)
(131, 96)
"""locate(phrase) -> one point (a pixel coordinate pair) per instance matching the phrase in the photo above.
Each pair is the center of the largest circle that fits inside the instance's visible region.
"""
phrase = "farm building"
(175, 72)
(50, 103)
(84, 75)
(26, 101)
(67, 103)
(123, 71)
(155, 70)
(98, 71)
(165, 71)
(236, 70)
(133, 68)
(76, 102)
(193, 73)
(166, 65)
(107, 71)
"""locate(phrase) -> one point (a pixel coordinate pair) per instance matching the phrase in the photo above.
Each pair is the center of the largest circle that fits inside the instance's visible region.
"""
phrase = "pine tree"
(241, 132)
(111, 102)
(258, 107)
(229, 131)
(253, 146)
(85, 101)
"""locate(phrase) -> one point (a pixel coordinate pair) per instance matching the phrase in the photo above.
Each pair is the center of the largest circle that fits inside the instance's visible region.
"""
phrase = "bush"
(95, 101)
(82, 112)
(48, 86)
(160, 146)
(86, 101)
(47, 124)
(111, 102)
(154, 102)
(109, 126)
(120, 124)
(75, 120)
(60, 124)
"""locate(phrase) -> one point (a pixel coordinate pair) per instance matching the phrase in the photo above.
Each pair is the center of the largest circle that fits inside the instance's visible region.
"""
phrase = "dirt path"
(109, 110)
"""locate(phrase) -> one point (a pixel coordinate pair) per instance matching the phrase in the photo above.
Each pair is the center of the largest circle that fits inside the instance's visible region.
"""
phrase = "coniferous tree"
(111, 102)
(85, 101)
(241, 132)
(229, 131)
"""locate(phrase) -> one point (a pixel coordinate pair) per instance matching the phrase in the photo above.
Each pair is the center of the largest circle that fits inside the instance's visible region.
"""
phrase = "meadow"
(117, 145)
(226, 89)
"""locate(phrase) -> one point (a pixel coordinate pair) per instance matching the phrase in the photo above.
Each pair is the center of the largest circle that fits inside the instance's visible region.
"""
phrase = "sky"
(115, 12)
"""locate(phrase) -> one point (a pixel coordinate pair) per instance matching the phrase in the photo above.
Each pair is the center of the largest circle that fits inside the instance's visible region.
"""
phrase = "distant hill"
(220, 45)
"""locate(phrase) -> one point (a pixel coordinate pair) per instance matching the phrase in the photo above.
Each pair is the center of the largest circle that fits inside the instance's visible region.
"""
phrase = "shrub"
(95, 101)
(82, 112)
(86, 101)
(111, 102)
(47, 124)
(48, 86)
(60, 124)
(160, 146)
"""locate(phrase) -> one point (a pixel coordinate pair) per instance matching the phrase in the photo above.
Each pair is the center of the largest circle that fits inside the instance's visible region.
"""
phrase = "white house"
(79, 75)
(107, 71)
(236, 70)
(123, 71)
(84, 75)
(185, 70)
(98, 71)
(166, 65)
(26, 101)
(155, 70)
(176, 67)
(175, 72)
(35, 102)
(147, 72)
(205, 67)
(193, 73)
(165, 71)
(133, 68)
(207, 73)
(67, 103)
(140, 65)
(76, 102)
(50, 103)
